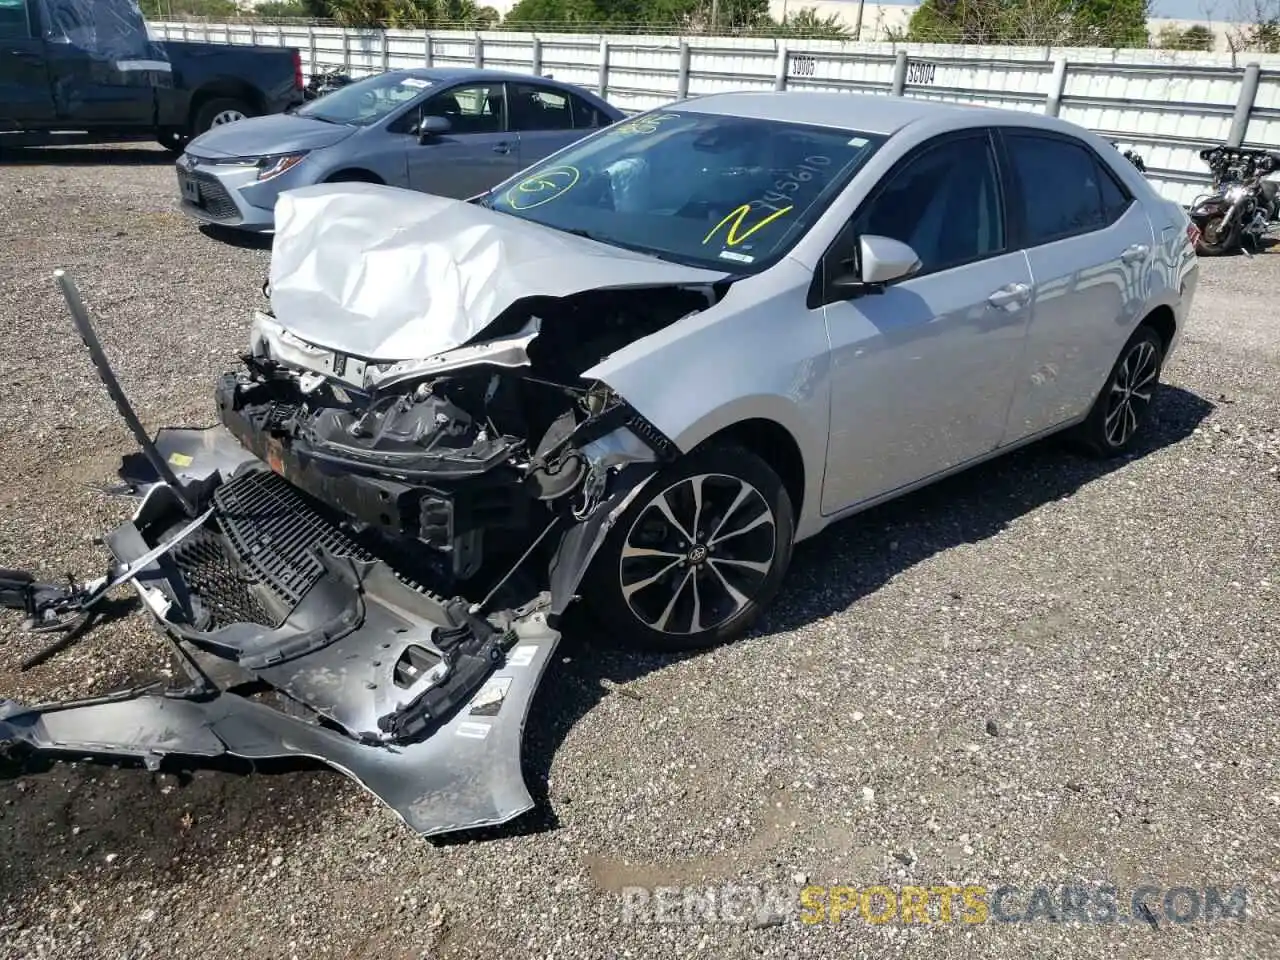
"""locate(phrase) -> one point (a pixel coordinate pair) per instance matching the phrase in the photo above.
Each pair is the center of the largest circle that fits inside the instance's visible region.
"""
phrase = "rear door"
(1089, 245)
(478, 151)
(101, 63)
(25, 96)
(544, 118)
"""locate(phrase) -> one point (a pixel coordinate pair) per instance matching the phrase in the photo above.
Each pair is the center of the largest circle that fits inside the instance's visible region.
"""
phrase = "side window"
(1061, 188)
(477, 108)
(13, 20)
(587, 117)
(944, 202)
(1115, 198)
(539, 108)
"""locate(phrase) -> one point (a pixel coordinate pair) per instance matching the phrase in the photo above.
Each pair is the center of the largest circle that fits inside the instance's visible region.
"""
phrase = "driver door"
(103, 67)
(24, 82)
(478, 151)
(923, 373)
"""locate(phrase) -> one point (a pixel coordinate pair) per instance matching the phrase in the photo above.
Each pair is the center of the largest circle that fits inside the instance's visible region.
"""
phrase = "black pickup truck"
(86, 71)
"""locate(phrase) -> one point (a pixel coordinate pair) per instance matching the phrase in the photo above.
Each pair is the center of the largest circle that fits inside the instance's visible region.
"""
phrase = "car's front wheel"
(693, 561)
(1121, 408)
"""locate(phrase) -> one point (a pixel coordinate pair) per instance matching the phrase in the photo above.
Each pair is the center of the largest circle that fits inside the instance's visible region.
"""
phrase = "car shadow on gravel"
(135, 155)
(241, 239)
(62, 819)
(835, 569)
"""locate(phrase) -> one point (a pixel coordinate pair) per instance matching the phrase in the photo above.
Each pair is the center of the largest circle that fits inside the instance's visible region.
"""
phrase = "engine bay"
(470, 456)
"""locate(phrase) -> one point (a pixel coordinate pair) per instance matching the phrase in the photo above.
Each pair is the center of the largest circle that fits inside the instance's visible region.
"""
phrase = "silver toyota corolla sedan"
(636, 373)
(452, 132)
(803, 304)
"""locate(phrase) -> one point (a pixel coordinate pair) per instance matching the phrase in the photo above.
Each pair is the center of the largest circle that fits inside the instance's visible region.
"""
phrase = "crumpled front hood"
(388, 274)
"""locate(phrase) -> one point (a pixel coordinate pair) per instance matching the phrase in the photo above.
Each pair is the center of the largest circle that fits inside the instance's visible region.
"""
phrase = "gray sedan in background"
(450, 132)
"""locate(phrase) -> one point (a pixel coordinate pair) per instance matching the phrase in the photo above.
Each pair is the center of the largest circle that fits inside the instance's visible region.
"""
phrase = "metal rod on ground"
(80, 316)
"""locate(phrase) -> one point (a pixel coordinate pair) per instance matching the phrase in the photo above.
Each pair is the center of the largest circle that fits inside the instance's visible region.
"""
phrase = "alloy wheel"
(227, 116)
(697, 554)
(1131, 391)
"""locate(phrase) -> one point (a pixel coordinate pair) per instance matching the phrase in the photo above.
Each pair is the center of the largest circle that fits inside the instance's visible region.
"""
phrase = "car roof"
(448, 74)
(866, 113)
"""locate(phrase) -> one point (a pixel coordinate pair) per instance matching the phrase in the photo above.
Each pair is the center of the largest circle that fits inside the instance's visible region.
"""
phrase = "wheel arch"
(772, 443)
(230, 87)
(353, 175)
(779, 432)
(1164, 322)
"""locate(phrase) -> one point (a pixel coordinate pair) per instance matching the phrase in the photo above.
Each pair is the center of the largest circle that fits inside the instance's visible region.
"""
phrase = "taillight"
(1193, 234)
(297, 70)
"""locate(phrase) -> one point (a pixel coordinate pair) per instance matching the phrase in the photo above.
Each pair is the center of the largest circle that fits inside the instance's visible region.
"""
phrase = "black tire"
(1126, 399)
(174, 141)
(213, 110)
(719, 474)
(1215, 241)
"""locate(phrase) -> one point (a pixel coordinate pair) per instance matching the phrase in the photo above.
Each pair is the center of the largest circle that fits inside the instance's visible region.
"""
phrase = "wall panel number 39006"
(802, 65)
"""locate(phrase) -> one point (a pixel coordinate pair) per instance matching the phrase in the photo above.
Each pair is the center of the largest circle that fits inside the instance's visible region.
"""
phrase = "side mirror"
(431, 127)
(880, 261)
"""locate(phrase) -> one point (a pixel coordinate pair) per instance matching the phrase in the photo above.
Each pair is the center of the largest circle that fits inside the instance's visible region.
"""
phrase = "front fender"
(756, 355)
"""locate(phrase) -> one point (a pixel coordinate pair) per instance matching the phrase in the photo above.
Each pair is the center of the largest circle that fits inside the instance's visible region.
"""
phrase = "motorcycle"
(1244, 202)
(322, 83)
(1133, 157)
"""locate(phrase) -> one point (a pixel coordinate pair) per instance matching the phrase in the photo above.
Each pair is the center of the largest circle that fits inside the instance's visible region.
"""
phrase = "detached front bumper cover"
(297, 641)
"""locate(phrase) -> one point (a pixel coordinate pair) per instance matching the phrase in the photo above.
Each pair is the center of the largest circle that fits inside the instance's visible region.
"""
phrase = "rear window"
(1065, 192)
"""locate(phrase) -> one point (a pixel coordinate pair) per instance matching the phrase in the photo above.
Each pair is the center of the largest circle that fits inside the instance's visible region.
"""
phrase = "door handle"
(1135, 253)
(1012, 295)
(503, 147)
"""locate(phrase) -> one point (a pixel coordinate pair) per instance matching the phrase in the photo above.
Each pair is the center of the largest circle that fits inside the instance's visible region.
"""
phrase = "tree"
(285, 10)
(1195, 37)
(699, 15)
(542, 12)
(1111, 23)
(1263, 31)
(209, 9)
(1059, 22)
(806, 22)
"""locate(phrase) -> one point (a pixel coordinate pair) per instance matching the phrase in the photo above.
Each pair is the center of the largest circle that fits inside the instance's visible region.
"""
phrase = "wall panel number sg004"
(921, 71)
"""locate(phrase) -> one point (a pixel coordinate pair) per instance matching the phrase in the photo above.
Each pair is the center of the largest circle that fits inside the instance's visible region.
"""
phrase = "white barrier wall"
(1166, 105)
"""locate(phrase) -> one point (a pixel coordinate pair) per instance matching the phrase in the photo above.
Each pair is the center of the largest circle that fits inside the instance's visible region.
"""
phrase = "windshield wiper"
(633, 247)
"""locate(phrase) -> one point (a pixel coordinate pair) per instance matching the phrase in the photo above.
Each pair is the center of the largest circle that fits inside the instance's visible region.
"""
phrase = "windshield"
(701, 189)
(366, 101)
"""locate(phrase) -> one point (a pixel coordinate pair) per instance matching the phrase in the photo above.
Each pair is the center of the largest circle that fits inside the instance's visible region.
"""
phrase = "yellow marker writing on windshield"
(542, 187)
(733, 238)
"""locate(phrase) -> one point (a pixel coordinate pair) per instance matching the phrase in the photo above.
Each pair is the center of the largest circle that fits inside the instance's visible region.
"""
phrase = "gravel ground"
(1045, 671)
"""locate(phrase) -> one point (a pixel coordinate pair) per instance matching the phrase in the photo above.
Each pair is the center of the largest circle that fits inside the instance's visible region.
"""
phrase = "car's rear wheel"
(219, 112)
(700, 553)
(1121, 409)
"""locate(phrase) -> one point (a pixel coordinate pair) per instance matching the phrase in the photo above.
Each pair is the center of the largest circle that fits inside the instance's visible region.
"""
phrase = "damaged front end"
(365, 564)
